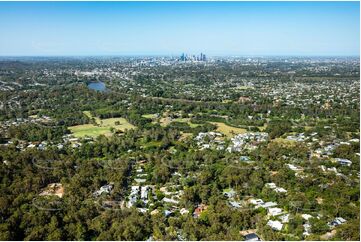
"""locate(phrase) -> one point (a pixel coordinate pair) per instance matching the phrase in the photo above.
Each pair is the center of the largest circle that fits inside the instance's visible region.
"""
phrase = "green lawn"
(103, 126)
(263, 128)
(151, 116)
(166, 121)
(286, 142)
(88, 130)
(227, 130)
(88, 114)
(185, 120)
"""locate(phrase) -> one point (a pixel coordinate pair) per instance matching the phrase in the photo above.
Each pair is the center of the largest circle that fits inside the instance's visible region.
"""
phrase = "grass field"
(88, 130)
(102, 128)
(151, 116)
(227, 130)
(185, 136)
(167, 121)
(263, 128)
(286, 142)
(88, 114)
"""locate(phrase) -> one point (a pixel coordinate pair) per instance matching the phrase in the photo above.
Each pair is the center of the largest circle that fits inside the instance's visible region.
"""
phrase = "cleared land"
(166, 121)
(227, 130)
(263, 128)
(185, 120)
(88, 130)
(286, 142)
(102, 127)
(151, 116)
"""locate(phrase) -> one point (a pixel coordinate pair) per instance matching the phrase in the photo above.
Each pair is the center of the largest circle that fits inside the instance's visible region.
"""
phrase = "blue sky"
(170, 28)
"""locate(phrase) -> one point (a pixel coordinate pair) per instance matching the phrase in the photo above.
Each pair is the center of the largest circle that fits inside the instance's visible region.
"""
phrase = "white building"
(274, 211)
(275, 225)
(306, 216)
(344, 162)
(133, 196)
(144, 193)
(169, 200)
(104, 189)
(285, 218)
(184, 211)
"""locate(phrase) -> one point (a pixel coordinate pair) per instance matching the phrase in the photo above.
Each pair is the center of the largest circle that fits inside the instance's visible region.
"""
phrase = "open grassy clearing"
(117, 123)
(166, 121)
(186, 120)
(286, 142)
(227, 130)
(185, 136)
(90, 116)
(88, 130)
(244, 87)
(152, 144)
(263, 128)
(103, 126)
(151, 116)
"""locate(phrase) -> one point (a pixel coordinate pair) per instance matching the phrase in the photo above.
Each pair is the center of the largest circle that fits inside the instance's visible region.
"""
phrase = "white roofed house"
(104, 189)
(344, 162)
(274, 211)
(336, 222)
(235, 204)
(247, 141)
(294, 168)
(285, 218)
(139, 180)
(184, 211)
(245, 159)
(306, 216)
(275, 225)
(256, 201)
(275, 188)
(280, 190)
(271, 185)
(307, 229)
(267, 205)
(144, 193)
(133, 196)
(229, 193)
(170, 200)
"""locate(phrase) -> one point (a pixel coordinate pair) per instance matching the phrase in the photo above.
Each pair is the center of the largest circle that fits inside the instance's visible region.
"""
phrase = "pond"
(97, 86)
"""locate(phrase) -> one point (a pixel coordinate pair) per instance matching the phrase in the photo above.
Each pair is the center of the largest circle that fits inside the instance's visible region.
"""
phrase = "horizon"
(175, 55)
(171, 28)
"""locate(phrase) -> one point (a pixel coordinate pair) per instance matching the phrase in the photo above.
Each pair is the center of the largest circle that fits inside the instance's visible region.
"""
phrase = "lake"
(97, 86)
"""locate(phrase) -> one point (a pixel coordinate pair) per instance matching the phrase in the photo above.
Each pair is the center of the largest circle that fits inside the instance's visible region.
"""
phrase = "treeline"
(37, 132)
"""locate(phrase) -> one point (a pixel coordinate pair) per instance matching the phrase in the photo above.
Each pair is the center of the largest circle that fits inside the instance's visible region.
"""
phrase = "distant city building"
(186, 57)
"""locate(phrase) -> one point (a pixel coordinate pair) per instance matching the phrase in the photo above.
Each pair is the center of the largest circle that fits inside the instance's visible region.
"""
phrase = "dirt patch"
(319, 200)
(53, 189)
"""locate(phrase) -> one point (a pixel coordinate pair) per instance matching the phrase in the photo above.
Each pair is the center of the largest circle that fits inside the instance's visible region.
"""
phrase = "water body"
(97, 86)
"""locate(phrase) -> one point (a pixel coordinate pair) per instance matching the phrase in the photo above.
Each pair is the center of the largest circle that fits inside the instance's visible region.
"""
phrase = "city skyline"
(172, 28)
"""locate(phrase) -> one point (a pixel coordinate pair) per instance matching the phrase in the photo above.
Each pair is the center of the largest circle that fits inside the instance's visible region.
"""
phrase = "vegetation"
(179, 151)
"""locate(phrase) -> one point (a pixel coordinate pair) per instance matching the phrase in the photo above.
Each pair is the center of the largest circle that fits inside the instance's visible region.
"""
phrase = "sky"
(171, 28)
